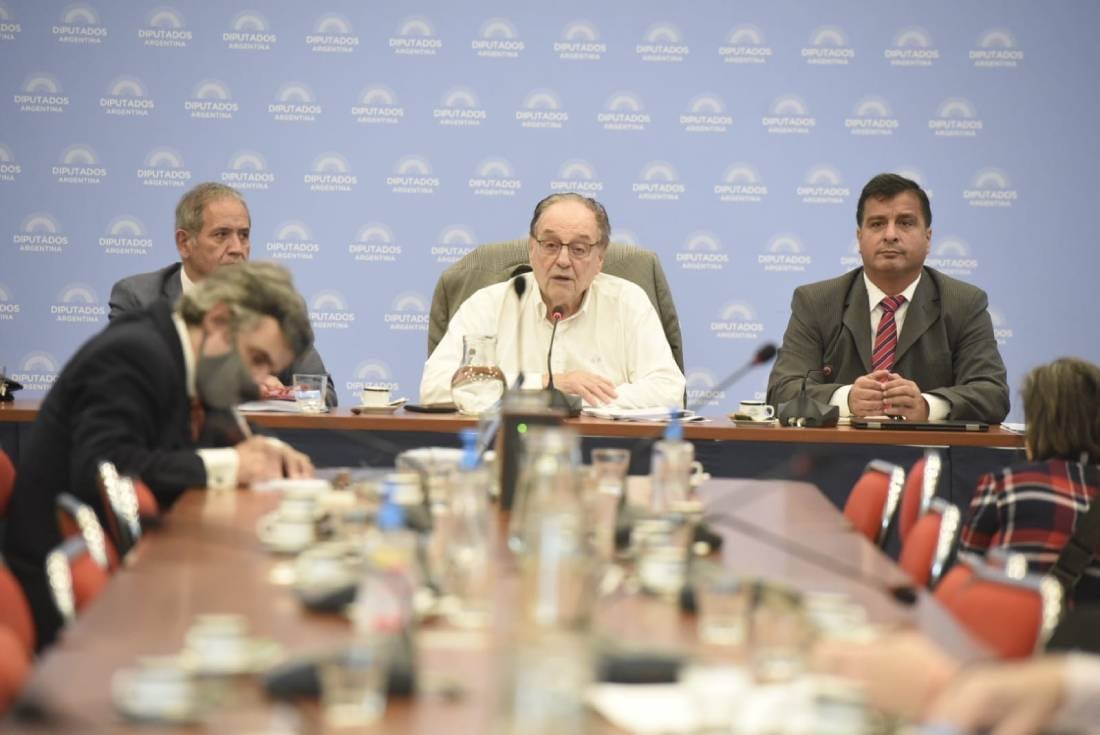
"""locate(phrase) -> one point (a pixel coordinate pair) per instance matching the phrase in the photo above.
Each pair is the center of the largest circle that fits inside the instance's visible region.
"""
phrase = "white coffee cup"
(157, 687)
(374, 396)
(285, 534)
(219, 642)
(758, 410)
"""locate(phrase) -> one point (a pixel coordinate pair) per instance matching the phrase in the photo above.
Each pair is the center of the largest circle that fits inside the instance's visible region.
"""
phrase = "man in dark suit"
(213, 227)
(132, 396)
(893, 337)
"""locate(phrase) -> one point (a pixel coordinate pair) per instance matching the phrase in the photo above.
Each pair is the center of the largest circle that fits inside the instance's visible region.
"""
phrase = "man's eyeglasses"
(577, 251)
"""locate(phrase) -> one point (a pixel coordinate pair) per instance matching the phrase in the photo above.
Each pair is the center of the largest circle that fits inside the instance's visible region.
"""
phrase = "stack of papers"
(641, 414)
(273, 406)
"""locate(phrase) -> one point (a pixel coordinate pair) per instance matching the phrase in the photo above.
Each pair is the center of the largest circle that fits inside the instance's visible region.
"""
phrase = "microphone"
(519, 285)
(569, 403)
(805, 411)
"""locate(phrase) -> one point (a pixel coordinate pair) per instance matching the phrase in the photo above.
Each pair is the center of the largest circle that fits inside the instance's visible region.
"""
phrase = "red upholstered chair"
(75, 518)
(15, 667)
(120, 502)
(15, 611)
(920, 487)
(148, 507)
(930, 545)
(75, 578)
(7, 482)
(874, 500)
(1014, 614)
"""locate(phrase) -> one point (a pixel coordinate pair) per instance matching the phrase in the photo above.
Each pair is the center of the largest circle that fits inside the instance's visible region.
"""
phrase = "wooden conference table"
(719, 428)
(206, 559)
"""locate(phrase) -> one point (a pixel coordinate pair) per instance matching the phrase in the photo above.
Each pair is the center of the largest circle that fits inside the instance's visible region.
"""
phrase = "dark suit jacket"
(121, 398)
(946, 345)
(139, 291)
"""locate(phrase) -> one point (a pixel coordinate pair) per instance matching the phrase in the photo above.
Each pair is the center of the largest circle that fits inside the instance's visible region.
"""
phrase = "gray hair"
(251, 291)
(597, 209)
(191, 205)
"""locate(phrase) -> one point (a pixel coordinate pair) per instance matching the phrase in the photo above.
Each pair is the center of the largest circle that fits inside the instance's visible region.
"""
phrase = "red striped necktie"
(886, 338)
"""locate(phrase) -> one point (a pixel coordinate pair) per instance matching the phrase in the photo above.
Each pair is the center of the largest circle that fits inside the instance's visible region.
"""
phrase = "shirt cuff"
(938, 408)
(1080, 705)
(532, 381)
(840, 400)
(221, 467)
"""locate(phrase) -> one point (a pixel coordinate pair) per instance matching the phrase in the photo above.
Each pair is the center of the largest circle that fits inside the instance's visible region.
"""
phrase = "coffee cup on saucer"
(219, 643)
(158, 688)
(374, 396)
(756, 410)
(285, 533)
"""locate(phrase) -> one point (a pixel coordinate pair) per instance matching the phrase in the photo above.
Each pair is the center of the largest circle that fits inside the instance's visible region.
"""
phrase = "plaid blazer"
(1033, 509)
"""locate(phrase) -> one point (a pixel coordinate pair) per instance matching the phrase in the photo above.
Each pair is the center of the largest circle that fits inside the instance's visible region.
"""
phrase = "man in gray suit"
(213, 226)
(894, 337)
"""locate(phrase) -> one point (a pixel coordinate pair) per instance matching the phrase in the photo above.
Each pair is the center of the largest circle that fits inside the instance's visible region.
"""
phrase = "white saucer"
(387, 408)
(259, 655)
(299, 487)
(126, 701)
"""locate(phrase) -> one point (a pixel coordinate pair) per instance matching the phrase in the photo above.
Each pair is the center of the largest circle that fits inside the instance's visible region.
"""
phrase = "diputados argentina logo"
(580, 41)
(997, 49)
(9, 307)
(294, 103)
(823, 185)
(79, 24)
(293, 240)
(126, 235)
(453, 244)
(9, 167)
(41, 93)
(706, 114)
(459, 108)
(164, 28)
(329, 310)
(783, 254)
(741, 183)
(828, 45)
(248, 171)
(745, 44)
(164, 167)
(79, 165)
(498, 40)
(579, 176)
(912, 47)
(415, 37)
(332, 34)
(37, 372)
(659, 182)
(542, 111)
(374, 373)
(951, 255)
(126, 97)
(956, 118)
(701, 391)
(331, 173)
(375, 244)
(1002, 332)
(703, 252)
(40, 233)
(9, 27)
(789, 116)
(624, 112)
(378, 106)
(408, 312)
(78, 304)
(494, 177)
(412, 175)
(249, 31)
(662, 43)
(737, 320)
(211, 100)
(990, 188)
(872, 116)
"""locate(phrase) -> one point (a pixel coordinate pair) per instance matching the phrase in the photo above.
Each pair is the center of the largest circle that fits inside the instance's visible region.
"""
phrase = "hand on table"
(263, 458)
(902, 397)
(595, 389)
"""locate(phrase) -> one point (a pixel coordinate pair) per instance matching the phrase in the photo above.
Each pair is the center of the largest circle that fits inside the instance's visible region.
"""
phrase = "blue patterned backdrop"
(378, 142)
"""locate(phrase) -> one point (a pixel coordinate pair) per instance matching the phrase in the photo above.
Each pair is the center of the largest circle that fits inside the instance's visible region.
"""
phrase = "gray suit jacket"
(946, 345)
(141, 290)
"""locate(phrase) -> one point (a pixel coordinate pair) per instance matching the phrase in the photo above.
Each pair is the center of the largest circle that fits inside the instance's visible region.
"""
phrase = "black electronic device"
(519, 411)
(905, 425)
(806, 412)
(431, 408)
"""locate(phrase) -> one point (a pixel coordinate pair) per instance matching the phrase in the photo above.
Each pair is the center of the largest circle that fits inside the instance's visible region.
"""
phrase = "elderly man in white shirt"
(610, 348)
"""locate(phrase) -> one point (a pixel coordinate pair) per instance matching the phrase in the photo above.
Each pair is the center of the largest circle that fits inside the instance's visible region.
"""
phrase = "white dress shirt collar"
(875, 295)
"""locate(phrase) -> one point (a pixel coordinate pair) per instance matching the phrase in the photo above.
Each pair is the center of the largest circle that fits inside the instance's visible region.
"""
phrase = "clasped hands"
(883, 393)
(596, 390)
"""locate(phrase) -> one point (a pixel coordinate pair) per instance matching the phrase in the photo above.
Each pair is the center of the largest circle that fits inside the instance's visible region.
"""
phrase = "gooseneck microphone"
(556, 315)
(805, 411)
(558, 399)
(519, 285)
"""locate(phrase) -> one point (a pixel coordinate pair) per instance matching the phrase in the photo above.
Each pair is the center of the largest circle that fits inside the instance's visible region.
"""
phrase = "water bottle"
(464, 529)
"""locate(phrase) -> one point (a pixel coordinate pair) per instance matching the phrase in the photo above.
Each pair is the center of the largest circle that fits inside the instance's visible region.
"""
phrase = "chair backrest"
(1014, 615)
(75, 518)
(15, 667)
(871, 505)
(15, 611)
(120, 504)
(74, 577)
(930, 545)
(495, 262)
(921, 485)
(7, 482)
(147, 505)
